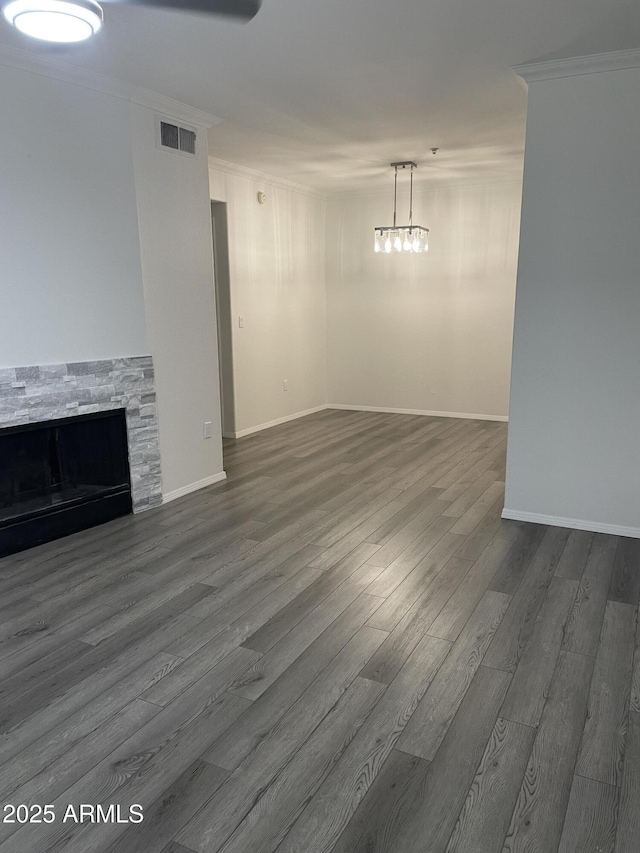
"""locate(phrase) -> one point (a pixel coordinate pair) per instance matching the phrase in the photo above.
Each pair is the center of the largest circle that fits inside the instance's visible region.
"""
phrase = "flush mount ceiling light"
(76, 20)
(402, 238)
(55, 20)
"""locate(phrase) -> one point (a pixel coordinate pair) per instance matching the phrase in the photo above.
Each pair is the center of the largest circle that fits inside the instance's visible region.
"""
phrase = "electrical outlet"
(207, 429)
(285, 384)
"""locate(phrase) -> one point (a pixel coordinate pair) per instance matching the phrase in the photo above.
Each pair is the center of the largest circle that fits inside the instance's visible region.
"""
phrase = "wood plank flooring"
(340, 649)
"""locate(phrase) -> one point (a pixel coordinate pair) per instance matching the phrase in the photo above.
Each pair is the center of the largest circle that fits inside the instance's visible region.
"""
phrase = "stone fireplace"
(42, 393)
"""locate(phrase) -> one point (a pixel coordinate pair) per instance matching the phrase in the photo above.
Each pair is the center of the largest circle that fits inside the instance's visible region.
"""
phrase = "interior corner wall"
(573, 450)
(277, 284)
(429, 332)
(174, 219)
(71, 281)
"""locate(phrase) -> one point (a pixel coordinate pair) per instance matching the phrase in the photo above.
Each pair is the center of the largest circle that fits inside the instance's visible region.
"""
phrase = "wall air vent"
(169, 135)
(178, 138)
(187, 141)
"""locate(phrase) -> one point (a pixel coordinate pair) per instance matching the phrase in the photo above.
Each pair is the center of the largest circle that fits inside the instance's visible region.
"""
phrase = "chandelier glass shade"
(401, 238)
(410, 238)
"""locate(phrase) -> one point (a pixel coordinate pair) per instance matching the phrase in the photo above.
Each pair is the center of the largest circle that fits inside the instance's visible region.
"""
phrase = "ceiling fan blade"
(244, 9)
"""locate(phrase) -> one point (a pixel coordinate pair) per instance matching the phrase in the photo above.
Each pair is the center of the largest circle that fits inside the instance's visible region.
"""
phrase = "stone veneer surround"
(47, 392)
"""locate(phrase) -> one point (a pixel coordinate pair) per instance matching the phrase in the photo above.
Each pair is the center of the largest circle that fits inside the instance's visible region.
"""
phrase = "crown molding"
(576, 66)
(239, 171)
(230, 168)
(45, 66)
(176, 109)
(431, 189)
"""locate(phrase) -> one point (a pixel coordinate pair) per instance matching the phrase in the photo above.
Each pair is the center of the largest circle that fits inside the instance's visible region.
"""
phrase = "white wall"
(70, 277)
(428, 333)
(276, 268)
(99, 226)
(574, 448)
(177, 265)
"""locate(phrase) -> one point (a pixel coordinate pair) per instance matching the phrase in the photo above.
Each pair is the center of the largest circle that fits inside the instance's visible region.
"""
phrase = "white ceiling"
(329, 92)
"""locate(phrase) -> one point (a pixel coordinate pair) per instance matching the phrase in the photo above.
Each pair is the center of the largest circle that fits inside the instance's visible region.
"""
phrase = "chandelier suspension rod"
(395, 196)
(411, 200)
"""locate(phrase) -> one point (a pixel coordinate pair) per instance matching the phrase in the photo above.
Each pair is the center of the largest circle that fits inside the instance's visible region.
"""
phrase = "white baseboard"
(279, 421)
(194, 487)
(385, 409)
(574, 523)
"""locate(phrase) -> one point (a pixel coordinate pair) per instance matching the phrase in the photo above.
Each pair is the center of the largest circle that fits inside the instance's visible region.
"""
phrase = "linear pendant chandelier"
(402, 238)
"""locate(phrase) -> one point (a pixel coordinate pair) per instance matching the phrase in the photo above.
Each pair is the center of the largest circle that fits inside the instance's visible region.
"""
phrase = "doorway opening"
(224, 317)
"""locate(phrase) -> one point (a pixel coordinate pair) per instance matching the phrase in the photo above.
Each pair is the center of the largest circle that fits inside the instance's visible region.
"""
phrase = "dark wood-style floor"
(341, 648)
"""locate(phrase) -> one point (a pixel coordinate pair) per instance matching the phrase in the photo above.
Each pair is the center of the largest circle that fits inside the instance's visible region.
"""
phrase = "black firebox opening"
(62, 476)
